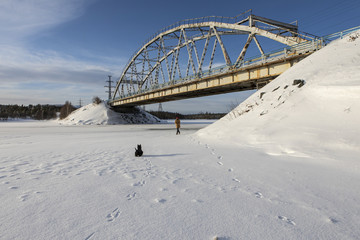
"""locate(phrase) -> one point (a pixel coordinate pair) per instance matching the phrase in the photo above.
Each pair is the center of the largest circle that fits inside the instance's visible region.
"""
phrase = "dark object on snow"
(138, 151)
(299, 82)
(262, 94)
(276, 89)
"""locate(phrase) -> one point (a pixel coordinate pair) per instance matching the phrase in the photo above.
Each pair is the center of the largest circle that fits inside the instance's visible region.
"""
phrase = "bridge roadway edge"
(242, 79)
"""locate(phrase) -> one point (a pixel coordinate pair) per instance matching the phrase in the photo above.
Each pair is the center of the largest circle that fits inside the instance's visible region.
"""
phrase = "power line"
(332, 12)
(324, 11)
(340, 23)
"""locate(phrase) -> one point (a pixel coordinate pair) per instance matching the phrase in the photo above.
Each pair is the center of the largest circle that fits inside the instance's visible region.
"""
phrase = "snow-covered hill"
(101, 114)
(314, 107)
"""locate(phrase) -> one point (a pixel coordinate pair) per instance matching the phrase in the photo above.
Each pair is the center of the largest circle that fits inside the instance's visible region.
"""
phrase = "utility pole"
(80, 102)
(160, 109)
(109, 86)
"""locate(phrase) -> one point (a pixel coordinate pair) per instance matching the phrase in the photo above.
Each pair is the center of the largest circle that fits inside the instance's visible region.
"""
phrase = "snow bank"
(312, 108)
(101, 114)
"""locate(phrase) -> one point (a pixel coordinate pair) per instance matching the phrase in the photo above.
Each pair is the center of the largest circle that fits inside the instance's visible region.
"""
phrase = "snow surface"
(281, 166)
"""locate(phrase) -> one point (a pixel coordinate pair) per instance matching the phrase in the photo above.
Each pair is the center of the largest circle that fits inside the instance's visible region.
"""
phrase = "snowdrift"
(101, 114)
(314, 107)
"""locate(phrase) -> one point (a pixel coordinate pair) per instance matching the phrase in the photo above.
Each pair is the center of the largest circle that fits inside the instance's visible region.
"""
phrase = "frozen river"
(83, 182)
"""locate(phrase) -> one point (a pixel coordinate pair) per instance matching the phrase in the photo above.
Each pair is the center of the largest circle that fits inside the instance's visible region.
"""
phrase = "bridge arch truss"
(196, 47)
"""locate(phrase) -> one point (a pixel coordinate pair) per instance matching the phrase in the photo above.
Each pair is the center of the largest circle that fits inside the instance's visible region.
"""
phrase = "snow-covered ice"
(283, 165)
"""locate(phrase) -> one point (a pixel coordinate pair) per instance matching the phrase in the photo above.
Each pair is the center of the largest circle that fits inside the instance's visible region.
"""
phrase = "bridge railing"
(220, 19)
(331, 37)
(283, 53)
(253, 61)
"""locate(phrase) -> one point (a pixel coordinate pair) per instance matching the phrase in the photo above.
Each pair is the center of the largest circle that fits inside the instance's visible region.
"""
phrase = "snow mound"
(312, 107)
(101, 114)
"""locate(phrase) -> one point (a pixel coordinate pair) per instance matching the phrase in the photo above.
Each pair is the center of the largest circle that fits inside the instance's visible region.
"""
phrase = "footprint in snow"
(236, 180)
(139, 184)
(162, 200)
(259, 195)
(333, 220)
(285, 219)
(131, 196)
(113, 215)
(24, 197)
(220, 163)
(176, 180)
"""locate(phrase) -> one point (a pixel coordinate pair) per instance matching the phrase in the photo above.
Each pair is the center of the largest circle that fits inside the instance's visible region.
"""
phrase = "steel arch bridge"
(172, 56)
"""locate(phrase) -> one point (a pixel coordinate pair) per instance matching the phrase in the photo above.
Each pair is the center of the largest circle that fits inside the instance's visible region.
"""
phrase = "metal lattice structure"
(193, 48)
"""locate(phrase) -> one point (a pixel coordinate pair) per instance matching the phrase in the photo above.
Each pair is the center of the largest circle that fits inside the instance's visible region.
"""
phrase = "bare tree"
(66, 110)
(97, 100)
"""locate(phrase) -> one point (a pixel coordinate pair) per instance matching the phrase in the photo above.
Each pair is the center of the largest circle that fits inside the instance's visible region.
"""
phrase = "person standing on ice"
(177, 124)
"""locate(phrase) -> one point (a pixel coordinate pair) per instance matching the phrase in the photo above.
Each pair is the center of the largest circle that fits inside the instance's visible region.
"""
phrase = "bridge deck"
(242, 79)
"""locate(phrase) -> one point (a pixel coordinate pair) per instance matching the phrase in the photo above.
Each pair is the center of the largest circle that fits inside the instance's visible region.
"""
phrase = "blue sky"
(59, 50)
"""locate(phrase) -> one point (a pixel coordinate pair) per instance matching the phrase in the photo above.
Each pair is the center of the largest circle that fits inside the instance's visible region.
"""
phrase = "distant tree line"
(37, 112)
(171, 115)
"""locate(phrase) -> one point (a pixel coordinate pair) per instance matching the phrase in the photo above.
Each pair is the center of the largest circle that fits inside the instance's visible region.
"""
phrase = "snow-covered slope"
(287, 118)
(101, 114)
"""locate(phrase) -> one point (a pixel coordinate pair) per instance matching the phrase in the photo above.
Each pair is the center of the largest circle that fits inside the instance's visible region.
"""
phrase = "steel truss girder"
(243, 51)
(226, 55)
(215, 29)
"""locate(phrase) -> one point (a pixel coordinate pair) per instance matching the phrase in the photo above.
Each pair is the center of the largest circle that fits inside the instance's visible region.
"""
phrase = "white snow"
(283, 166)
(320, 117)
(101, 114)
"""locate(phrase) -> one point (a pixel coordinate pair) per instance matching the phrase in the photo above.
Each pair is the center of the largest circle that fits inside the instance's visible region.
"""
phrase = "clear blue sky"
(59, 50)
